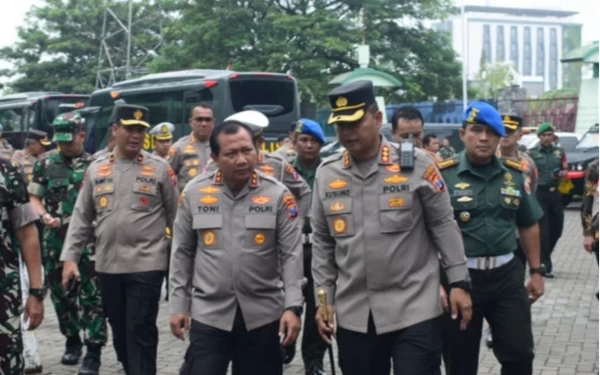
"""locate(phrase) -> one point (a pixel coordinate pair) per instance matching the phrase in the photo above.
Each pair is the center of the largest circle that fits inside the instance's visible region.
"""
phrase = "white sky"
(14, 15)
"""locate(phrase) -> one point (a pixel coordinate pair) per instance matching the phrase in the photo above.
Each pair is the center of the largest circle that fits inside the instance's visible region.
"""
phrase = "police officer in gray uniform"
(236, 267)
(131, 196)
(379, 223)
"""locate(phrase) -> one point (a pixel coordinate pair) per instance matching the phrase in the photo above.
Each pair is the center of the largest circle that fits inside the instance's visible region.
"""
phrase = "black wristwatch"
(39, 293)
(541, 270)
(463, 284)
(296, 310)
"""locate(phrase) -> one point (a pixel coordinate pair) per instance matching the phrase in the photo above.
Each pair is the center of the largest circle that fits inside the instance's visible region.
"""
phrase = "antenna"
(119, 57)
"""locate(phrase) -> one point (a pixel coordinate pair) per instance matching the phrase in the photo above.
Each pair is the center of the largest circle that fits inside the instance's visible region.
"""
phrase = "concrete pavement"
(565, 323)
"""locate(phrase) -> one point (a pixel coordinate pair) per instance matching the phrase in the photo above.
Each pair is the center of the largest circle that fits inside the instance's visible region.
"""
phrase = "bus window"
(249, 94)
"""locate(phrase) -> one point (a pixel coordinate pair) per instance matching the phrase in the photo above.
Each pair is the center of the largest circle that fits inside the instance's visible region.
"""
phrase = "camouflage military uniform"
(57, 180)
(6, 150)
(590, 190)
(14, 203)
(24, 164)
(446, 152)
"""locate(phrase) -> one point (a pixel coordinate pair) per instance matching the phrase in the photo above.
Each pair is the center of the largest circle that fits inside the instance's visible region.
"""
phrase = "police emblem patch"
(192, 172)
(259, 238)
(209, 238)
(339, 225)
(103, 202)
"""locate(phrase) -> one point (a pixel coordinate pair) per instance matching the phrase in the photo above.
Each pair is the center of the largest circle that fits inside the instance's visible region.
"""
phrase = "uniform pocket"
(144, 196)
(260, 231)
(338, 213)
(395, 213)
(209, 229)
(104, 198)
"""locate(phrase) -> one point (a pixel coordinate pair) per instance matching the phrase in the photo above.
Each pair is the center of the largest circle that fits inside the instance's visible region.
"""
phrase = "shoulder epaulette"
(447, 163)
(513, 164)
(332, 158)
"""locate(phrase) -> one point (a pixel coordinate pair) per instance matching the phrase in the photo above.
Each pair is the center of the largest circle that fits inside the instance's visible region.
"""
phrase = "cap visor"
(135, 122)
(163, 137)
(345, 116)
(63, 137)
(45, 143)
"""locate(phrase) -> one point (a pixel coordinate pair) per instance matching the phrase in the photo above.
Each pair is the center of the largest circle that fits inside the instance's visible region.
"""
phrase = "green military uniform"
(446, 152)
(548, 160)
(490, 202)
(589, 204)
(313, 346)
(16, 212)
(57, 180)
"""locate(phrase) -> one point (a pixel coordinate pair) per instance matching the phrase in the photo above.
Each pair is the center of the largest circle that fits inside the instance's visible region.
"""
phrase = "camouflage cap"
(65, 125)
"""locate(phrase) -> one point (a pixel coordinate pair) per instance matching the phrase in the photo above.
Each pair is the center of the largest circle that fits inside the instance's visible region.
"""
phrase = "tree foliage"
(314, 40)
(58, 47)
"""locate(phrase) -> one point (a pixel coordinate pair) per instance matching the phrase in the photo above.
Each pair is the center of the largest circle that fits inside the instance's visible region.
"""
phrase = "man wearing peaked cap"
(128, 198)
(376, 226)
(307, 143)
(491, 199)
(162, 135)
(552, 165)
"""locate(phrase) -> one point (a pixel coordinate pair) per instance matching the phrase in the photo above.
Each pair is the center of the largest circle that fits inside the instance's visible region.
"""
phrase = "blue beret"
(310, 127)
(483, 113)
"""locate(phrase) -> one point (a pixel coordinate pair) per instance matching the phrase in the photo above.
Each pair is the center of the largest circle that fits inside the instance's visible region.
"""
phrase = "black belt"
(548, 188)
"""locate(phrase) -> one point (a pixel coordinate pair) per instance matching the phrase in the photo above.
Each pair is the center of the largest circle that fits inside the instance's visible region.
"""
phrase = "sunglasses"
(203, 119)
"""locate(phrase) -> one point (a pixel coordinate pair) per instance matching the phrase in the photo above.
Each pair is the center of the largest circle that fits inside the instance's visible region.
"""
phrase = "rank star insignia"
(462, 185)
(138, 115)
(464, 216)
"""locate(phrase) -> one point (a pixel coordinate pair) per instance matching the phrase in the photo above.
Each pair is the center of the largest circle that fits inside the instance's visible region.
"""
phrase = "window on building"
(540, 53)
(487, 43)
(527, 51)
(514, 47)
(553, 68)
(500, 43)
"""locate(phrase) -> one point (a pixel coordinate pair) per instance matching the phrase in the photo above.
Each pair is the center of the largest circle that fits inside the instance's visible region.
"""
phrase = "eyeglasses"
(203, 119)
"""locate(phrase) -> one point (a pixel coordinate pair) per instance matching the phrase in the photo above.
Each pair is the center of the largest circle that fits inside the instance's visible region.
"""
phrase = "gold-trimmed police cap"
(129, 114)
(512, 122)
(350, 102)
(163, 131)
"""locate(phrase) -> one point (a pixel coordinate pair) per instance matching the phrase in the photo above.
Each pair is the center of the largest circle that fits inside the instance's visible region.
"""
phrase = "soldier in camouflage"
(590, 215)
(446, 151)
(57, 179)
(36, 142)
(17, 222)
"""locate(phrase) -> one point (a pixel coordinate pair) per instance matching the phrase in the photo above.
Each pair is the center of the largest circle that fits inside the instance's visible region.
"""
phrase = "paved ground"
(565, 323)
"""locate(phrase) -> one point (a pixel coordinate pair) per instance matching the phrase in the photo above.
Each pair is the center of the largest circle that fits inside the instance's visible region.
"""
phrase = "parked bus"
(34, 110)
(171, 96)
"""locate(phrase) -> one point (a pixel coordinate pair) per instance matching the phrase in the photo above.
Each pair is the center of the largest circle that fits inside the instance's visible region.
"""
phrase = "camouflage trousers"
(11, 347)
(80, 308)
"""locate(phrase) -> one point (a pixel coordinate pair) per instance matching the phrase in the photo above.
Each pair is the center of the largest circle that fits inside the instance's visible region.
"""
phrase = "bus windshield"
(17, 119)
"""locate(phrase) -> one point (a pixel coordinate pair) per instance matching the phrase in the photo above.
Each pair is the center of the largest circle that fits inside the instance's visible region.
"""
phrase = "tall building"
(533, 40)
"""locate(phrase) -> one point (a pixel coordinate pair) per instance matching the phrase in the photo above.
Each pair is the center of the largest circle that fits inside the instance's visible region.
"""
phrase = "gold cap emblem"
(138, 114)
(164, 129)
(341, 102)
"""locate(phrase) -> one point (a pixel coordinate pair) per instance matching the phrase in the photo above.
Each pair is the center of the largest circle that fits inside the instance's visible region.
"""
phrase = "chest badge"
(209, 189)
(209, 199)
(339, 225)
(557, 153)
(338, 184)
(261, 199)
(103, 202)
(464, 199)
(144, 201)
(508, 179)
(209, 238)
(462, 185)
(464, 216)
(192, 172)
(337, 206)
(396, 202)
(395, 179)
(259, 238)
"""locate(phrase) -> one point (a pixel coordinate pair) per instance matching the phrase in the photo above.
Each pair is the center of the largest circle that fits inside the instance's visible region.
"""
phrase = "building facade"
(532, 40)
